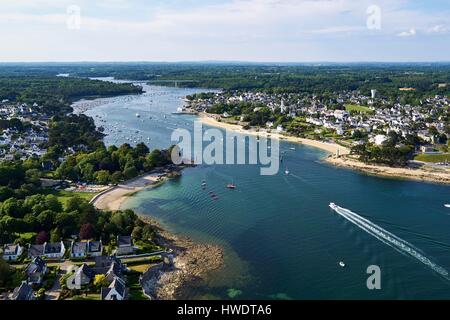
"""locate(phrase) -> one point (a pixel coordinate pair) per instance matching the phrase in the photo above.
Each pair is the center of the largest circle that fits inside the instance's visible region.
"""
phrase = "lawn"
(361, 109)
(433, 157)
(140, 267)
(135, 288)
(89, 297)
(63, 196)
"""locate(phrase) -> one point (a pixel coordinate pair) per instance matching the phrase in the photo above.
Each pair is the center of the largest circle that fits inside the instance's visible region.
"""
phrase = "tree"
(55, 235)
(130, 172)
(46, 219)
(52, 203)
(137, 233)
(100, 281)
(116, 177)
(141, 150)
(5, 193)
(102, 177)
(67, 223)
(87, 231)
(42, 237)
(13, 208)
(5, 272)
(148, 233)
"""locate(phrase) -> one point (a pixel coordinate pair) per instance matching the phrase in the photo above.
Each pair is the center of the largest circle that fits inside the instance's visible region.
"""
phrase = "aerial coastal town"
(350, 118)
(24, 130)
(63, 233)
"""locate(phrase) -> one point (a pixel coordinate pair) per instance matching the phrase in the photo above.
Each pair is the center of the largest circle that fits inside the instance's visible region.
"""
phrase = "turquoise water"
(281, 238)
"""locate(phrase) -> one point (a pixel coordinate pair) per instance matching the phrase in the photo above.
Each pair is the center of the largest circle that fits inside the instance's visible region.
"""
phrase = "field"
(63, 196)
(433, 157)
(361, 109)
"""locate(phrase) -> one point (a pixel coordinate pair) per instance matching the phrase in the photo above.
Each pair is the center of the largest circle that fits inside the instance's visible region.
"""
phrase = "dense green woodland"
(303, 78)
(55, 94)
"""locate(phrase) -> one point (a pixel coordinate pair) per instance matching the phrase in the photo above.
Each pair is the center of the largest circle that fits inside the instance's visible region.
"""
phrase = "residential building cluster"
(28, 140)
(111, 267)
(378, 117)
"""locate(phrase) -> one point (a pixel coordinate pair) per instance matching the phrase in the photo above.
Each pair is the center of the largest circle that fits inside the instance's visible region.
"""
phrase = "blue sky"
(243, 30)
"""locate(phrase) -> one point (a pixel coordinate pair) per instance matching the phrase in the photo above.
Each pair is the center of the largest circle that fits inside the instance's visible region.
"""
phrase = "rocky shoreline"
(192, 263)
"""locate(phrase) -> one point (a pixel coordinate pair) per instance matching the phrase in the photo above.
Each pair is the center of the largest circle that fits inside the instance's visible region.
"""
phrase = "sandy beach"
(425, 173)
(113, 198)
(327, 146)
(193, 262)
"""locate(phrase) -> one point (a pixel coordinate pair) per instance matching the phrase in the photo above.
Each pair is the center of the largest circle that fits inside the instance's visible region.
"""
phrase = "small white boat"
(333, 206)
(286, 171)
(447, 205)
(342, 264)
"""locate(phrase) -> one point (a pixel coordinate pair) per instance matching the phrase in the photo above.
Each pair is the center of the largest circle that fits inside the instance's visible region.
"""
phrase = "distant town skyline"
(225, 30)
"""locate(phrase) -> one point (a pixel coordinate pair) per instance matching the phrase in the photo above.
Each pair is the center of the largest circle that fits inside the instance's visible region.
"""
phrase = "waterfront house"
(124, 245)
(104, 264)
(54, 250)
(23, 293)
(36, 270)
(115, 270)
(95, 248)
(35, 250)
(12, 252)
(116, 291)
(83, 276)
(78, 249)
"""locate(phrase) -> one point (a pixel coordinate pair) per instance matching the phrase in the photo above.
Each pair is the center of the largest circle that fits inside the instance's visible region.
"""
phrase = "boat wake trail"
(389, 239)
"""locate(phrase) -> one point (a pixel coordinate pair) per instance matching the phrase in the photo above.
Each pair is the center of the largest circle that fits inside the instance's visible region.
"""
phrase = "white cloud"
(231, 30)
(439, 29)
(410, 33)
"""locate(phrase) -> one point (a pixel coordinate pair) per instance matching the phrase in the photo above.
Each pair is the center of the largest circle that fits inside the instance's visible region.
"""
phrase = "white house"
(36, 271)
(83, 276)
(35, 250)
(12, 252)
(269, 124)
(124, 245)
(280, 128)
(54, 250)
(95, 248)
(116, 290)
(380, 139)
(340, 114)
(78, 249)
(23, 293)
(86, 249)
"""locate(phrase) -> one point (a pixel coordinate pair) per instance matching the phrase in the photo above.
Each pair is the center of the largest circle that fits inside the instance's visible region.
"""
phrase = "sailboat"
(286, 171)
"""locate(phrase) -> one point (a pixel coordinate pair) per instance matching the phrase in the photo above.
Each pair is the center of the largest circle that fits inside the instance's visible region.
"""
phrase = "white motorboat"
(333, 206)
